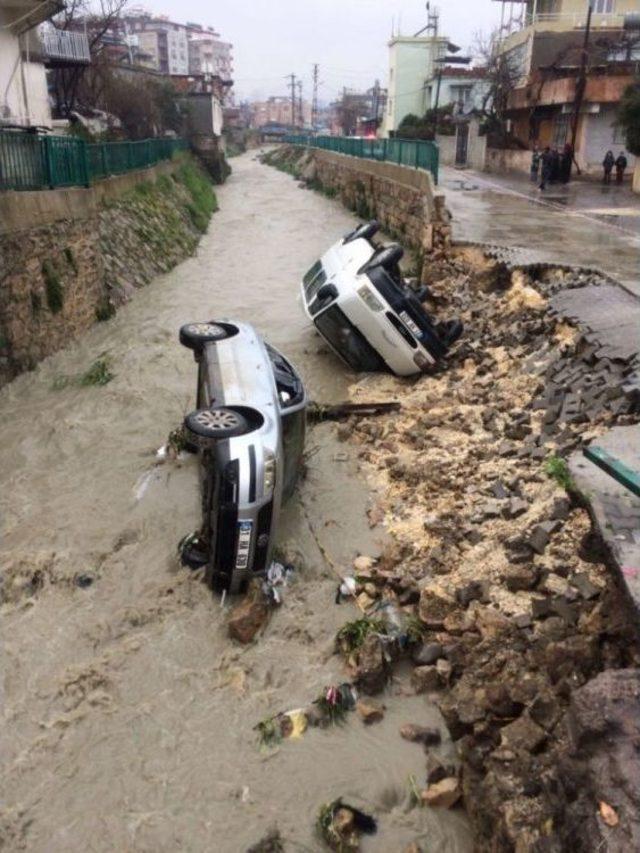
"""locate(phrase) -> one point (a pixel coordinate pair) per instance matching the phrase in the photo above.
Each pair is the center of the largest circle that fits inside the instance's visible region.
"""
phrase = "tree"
(503, 72)
(414, 127)
(629, 117)
(98, 17)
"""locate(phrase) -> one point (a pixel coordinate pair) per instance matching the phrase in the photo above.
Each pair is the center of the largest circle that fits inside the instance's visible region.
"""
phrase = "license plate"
(244, 544)
(406, 319)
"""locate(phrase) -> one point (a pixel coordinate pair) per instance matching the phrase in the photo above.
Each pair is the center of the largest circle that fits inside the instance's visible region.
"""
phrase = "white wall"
(598, 136)
(410, 65)
(23, 85)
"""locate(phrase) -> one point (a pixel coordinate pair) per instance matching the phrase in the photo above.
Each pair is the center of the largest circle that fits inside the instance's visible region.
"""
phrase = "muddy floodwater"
(128, 713)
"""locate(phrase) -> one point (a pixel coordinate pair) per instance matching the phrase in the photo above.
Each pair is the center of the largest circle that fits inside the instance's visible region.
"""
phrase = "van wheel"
(386, 258)
(195, 335)
(208, 425)
(365, 231)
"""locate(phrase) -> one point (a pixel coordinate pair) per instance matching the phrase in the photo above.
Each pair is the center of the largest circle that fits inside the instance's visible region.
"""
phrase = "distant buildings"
(550, 101)
(279, 110)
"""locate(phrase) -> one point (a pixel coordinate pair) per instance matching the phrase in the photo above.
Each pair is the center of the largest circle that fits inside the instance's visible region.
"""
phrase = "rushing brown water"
(128, 713)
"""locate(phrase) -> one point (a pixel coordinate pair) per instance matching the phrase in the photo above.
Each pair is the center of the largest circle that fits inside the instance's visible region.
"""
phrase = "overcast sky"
(348, 38)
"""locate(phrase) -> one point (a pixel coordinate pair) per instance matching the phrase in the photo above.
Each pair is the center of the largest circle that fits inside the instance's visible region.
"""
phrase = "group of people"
(609, 162)
(552, 166)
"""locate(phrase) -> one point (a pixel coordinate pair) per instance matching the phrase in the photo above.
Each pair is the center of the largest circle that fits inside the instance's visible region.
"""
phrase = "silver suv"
(248, 430)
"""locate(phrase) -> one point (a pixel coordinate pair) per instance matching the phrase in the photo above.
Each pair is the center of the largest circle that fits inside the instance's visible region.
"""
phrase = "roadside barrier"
(417, 153)
(30, 161)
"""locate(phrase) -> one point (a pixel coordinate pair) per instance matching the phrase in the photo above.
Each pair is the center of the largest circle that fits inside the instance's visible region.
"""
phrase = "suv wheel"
(365, 231)
(209, 425)
(196, 335)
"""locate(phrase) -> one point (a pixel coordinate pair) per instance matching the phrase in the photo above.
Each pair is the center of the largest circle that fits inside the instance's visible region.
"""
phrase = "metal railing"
(575, 19)
(417, 153)
(34, 162)
(66, 46)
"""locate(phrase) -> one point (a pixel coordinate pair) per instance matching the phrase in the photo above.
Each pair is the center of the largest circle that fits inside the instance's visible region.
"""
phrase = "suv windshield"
(313, 281)
(347, 341)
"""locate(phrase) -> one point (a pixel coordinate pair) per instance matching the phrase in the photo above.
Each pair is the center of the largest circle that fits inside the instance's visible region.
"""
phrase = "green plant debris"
(557, 469)
(99, 373)
(53, 286)
(104, 311)
(70, 259)
(353, 634)
(177, 441)
(203, 198)
(269, 732)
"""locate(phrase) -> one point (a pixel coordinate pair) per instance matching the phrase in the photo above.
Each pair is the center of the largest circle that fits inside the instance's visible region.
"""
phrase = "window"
(603, 7)
(560, 131)
(619, 135)
(461, 94)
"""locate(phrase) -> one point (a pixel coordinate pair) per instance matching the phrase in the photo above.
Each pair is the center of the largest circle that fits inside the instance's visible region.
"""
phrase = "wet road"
(509, 213)
(128, 713)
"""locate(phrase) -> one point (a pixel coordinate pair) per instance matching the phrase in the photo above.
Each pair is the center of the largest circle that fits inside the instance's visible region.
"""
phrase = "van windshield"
(312, 282)
(347, 341)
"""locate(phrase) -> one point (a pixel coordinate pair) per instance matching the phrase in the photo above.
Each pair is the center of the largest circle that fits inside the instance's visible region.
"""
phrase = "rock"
(545, 710)
(522, 577)
(363, 564)
(435, 604)
(372, 668)
(425, 679)
(370, 711)
(248, 617)
(420, 734)
(436, 770)
(561, 509)
(523, 735)
(427, 653)
(541, 608)
(458, 622)
(444, 669)
(499, 490)
(414, 847)
(474, 591)
(498, 701)
(491, 623)
(366, 602)
(443, 794)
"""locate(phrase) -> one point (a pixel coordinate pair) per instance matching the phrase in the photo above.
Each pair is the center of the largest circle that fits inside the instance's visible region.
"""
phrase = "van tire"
(363, 232)
(195, 335)
(388, 258)
(206, 426)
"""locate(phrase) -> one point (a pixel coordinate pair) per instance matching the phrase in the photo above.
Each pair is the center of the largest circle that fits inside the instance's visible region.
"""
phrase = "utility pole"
(300, 112)
(581, 85)
(292, 84)
(376, 102)
(314, 102)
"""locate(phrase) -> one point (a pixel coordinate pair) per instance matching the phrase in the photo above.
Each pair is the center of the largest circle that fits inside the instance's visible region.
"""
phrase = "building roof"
(469, 73)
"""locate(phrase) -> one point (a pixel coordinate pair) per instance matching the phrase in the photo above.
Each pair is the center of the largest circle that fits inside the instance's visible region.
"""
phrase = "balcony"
(64, 47)
(573, 20)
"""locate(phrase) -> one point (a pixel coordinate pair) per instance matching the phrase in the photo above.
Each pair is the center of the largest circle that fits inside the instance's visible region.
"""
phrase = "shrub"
(53, 286)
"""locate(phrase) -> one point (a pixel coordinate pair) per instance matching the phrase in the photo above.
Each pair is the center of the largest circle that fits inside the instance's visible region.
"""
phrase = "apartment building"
(465, 88)
(543, 44)
(208, 54)
(411, 65)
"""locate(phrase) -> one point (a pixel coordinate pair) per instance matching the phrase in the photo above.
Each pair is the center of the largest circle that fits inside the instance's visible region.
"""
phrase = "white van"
(360, 303)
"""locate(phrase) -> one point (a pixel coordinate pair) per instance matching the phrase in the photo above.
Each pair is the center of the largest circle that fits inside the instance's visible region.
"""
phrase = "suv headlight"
(269, 472)
(365, 293)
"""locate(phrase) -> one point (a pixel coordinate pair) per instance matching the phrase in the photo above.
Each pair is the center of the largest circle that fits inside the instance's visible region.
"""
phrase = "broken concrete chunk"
(443, 794)
(435, 604)
(427, 653)
(539, 539)
(420, 734)
(474, 591)
(369, 711)
(521, 577)
(584, 586)
(425, 679)
(515, 508)
(248, 617)
(523, 735)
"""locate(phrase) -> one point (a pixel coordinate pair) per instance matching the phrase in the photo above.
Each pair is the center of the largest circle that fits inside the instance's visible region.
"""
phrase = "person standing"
(621, 165)
(555, 166)
(566, 163)
(546, 165)
(607, 165)
(535, 164)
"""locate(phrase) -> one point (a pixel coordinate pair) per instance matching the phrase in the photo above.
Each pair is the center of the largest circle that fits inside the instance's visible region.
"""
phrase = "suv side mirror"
(327, 291)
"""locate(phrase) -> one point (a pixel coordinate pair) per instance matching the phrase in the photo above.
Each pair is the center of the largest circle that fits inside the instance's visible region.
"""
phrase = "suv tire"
(207, 426)
(195, 335)
(363, 232)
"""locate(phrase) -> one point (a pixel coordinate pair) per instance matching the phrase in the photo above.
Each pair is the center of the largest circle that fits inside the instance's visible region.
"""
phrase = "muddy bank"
(496, 561)
(129, 714)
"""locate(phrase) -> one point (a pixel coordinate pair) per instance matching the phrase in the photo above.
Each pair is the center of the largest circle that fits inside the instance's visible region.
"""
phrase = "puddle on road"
(128, 712)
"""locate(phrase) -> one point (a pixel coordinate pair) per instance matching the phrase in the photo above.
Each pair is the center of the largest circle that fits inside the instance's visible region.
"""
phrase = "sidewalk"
(572, 224)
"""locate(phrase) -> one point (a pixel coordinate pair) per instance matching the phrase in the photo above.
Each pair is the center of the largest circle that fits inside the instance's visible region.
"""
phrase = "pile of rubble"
(493, 559)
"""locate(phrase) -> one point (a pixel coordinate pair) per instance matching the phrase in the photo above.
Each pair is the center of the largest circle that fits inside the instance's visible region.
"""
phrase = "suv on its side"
(361, 304)
(249, 430)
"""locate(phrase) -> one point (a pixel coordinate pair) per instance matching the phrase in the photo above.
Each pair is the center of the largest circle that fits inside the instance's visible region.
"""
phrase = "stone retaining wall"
(403, 199)
(69, 257)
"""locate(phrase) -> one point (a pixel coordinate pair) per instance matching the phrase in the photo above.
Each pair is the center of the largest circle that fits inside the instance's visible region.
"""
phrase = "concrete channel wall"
(69, 256)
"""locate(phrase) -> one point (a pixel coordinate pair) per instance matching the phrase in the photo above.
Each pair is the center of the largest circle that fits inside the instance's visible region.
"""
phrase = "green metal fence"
(34, 162)
(418, 153)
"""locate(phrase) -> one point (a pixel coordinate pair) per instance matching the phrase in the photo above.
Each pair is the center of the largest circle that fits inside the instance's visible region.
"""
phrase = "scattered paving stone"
(561, 509)
(515, 508)
(539, 539)
(521, 577)
(499, 490)
(370, 711)
(541, 608)
(443, 794)
(584, 586)
(420, 734)
(435, 605)
(474, 591)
